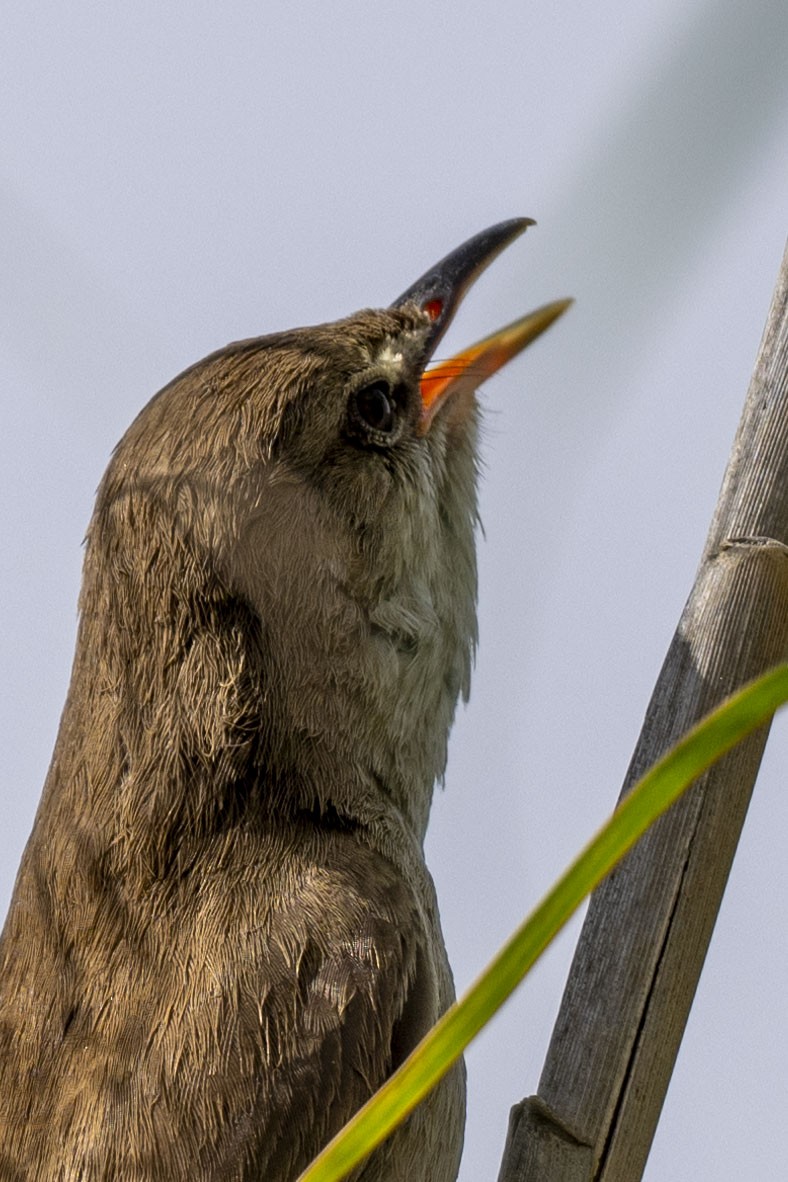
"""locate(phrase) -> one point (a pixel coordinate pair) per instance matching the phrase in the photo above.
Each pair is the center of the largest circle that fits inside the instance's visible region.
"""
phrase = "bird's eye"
(374, 413)
(375, 407)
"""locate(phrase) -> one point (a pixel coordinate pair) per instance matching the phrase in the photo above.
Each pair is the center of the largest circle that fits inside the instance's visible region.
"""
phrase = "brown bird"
(223, 936)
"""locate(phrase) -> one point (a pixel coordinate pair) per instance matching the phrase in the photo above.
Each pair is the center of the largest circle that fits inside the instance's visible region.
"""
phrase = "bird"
(223, 936)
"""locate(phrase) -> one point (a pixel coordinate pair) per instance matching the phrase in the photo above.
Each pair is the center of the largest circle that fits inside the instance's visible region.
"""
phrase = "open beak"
(439, 292)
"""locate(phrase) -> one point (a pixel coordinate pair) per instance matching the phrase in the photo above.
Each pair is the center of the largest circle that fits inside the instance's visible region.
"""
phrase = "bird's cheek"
(354, 490)
(460, 413)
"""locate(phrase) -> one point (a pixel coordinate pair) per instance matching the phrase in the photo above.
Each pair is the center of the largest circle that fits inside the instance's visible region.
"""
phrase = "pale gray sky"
(176, 177)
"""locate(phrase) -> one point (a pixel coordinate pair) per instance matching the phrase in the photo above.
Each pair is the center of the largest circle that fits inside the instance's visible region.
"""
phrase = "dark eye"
(374, 406)
(375, 413)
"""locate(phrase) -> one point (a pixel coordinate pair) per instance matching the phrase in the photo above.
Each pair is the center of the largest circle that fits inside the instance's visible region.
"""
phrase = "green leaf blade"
(658, 789)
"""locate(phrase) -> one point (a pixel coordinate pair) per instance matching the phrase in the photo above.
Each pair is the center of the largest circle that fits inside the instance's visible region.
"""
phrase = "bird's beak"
(466, 371)
(439, 292)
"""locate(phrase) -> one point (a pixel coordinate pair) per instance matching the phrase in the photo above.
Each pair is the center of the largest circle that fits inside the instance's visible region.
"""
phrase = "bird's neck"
(193, 710)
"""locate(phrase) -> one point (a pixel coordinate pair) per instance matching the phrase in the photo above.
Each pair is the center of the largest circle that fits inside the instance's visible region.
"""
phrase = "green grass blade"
(651, 796)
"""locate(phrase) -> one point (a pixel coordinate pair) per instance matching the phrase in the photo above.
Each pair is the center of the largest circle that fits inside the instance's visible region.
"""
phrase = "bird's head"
(325, 478)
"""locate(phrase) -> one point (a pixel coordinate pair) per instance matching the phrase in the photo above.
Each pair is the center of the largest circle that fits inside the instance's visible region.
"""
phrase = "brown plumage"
(223, 936)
